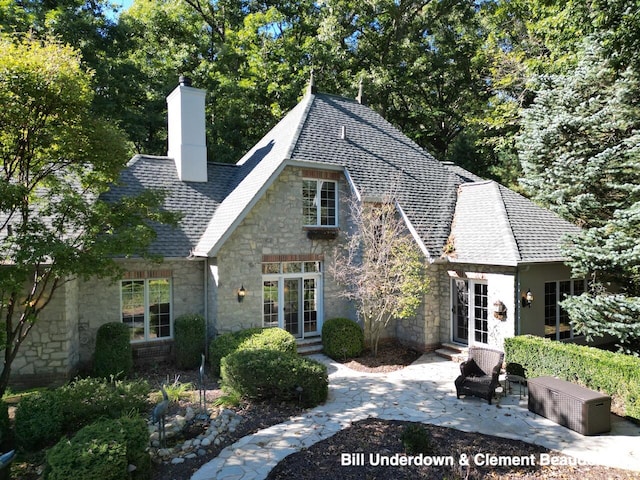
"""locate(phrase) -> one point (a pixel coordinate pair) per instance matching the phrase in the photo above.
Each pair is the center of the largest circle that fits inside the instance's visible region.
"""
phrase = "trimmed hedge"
(113, 355)
(615, 374)
(189, 340)
(270, 374)
(43, 417)
(249, 339)
(342, 338)
(102, 450)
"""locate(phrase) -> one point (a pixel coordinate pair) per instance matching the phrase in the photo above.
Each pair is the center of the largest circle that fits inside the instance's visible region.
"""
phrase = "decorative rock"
(205, 442)
(177, 461)
(186, 445)
(202, 452)
(190, 456)
(189, 414)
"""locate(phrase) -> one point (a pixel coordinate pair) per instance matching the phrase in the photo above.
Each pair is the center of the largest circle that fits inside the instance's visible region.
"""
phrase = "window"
(319, 203)
(557, 325)
(481, 312)
(146, 308)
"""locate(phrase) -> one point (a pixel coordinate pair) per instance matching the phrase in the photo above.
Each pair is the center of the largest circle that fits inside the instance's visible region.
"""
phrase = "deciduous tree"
(58, 156)
(381, 267)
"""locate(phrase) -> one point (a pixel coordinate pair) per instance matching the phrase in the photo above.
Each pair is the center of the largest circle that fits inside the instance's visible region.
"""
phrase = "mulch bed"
(375, 436)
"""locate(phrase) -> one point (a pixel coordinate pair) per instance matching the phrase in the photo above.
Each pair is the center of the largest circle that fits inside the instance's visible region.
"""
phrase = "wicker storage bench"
(578, 408)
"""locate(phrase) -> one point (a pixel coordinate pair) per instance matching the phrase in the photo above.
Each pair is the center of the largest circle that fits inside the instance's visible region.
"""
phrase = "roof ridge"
(309, 98)
(512, 240)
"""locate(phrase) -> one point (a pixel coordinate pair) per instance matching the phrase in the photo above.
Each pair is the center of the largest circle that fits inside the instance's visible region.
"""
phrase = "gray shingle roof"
(493, 225)
(496, 226)
(195, 200)
(381, 160)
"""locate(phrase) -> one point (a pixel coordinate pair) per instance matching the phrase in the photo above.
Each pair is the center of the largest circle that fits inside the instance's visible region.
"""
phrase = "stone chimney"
(187, 142)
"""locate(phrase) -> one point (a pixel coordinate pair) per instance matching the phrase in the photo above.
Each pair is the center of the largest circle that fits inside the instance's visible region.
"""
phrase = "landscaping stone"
(212, 434)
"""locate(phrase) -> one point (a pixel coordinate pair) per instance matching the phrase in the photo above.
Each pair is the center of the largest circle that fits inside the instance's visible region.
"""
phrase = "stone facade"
(49, 355)
(99, 299)
(274, 228)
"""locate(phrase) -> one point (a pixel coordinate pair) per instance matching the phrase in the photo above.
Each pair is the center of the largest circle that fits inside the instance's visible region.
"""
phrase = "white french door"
(469, 311)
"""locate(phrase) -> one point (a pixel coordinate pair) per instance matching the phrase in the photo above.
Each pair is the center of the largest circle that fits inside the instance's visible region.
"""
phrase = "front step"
(309, 346)
(454, 352)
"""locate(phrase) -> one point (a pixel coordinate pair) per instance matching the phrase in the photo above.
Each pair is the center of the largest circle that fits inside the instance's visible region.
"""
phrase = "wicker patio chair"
(479, 374)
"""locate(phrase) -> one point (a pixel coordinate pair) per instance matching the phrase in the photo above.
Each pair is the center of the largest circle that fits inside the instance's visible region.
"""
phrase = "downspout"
(206, 306)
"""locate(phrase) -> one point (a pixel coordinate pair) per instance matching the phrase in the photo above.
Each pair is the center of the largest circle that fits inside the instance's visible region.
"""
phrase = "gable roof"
(377, 157)
(493, 225)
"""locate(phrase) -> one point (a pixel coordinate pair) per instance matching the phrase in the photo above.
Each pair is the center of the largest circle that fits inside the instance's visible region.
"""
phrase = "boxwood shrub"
(41, 418)
(189, 340)
(102, 450)
(113, 355)
(251, 338)
(269, 374)
(615, 374)
(38, 420)
(342, 338)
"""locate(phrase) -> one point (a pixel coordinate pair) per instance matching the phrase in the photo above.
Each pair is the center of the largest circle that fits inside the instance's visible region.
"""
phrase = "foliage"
(45, 416)
(615, 374)
(6, 434)
(250, 338)
(113, 355)
(38, 421)
(381, 267)
(580, 149)
(342, 338)
(176, 391)
(189, 340)
(416, 440)
(102, 450)
(58, 156)
(270, 374)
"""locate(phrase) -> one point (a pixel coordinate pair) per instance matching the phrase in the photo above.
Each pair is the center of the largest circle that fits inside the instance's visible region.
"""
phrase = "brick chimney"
(187, 142)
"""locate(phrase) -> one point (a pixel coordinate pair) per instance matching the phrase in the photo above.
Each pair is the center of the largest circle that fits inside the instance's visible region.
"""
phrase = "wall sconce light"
(527, 299)
(499, 310)
(241, 293)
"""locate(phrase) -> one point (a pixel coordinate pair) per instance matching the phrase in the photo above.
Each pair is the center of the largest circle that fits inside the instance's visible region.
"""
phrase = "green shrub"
(113, 355)
(43, 417)
(38, 421)
(615, 374)
(269, 374)
(416, 439)
(342, 338)
(102, 450)
(189, 340)
(6, 435)
(251, 338)
(85, 400)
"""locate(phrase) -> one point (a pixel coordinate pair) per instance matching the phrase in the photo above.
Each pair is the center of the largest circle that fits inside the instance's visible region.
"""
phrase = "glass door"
(460, 310)
(292, 310)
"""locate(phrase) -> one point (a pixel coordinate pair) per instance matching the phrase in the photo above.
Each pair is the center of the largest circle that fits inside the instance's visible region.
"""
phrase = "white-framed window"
(292, 296)
(320, 202)
(556, 319)
(145, 306)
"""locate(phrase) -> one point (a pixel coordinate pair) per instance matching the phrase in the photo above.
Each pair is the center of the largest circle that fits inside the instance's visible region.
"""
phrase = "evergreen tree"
(580, 149)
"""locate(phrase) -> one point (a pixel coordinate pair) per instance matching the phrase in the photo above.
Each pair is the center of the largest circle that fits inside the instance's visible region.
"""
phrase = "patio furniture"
(516, 373)
(479, 375)
(578, 408)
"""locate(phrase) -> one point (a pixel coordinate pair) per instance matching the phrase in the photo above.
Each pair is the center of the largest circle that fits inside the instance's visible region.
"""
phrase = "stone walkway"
(423, 392)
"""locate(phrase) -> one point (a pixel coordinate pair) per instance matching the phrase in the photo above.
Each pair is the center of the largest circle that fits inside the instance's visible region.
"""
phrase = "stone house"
(256, 239)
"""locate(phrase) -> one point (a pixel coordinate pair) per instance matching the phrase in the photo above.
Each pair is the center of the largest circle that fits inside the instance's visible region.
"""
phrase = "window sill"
(322, 233)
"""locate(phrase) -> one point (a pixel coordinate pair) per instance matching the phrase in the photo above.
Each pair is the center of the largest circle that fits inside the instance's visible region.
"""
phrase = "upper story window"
(320, 203)
(146, 308)
(557, 325)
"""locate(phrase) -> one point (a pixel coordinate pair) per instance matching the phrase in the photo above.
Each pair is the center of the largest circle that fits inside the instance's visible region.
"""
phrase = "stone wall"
(49, 355)
(99, 299)
(273, 227)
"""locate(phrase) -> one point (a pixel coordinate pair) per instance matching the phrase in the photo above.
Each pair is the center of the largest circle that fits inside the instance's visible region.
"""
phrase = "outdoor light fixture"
(527, 299)
(241, 293)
